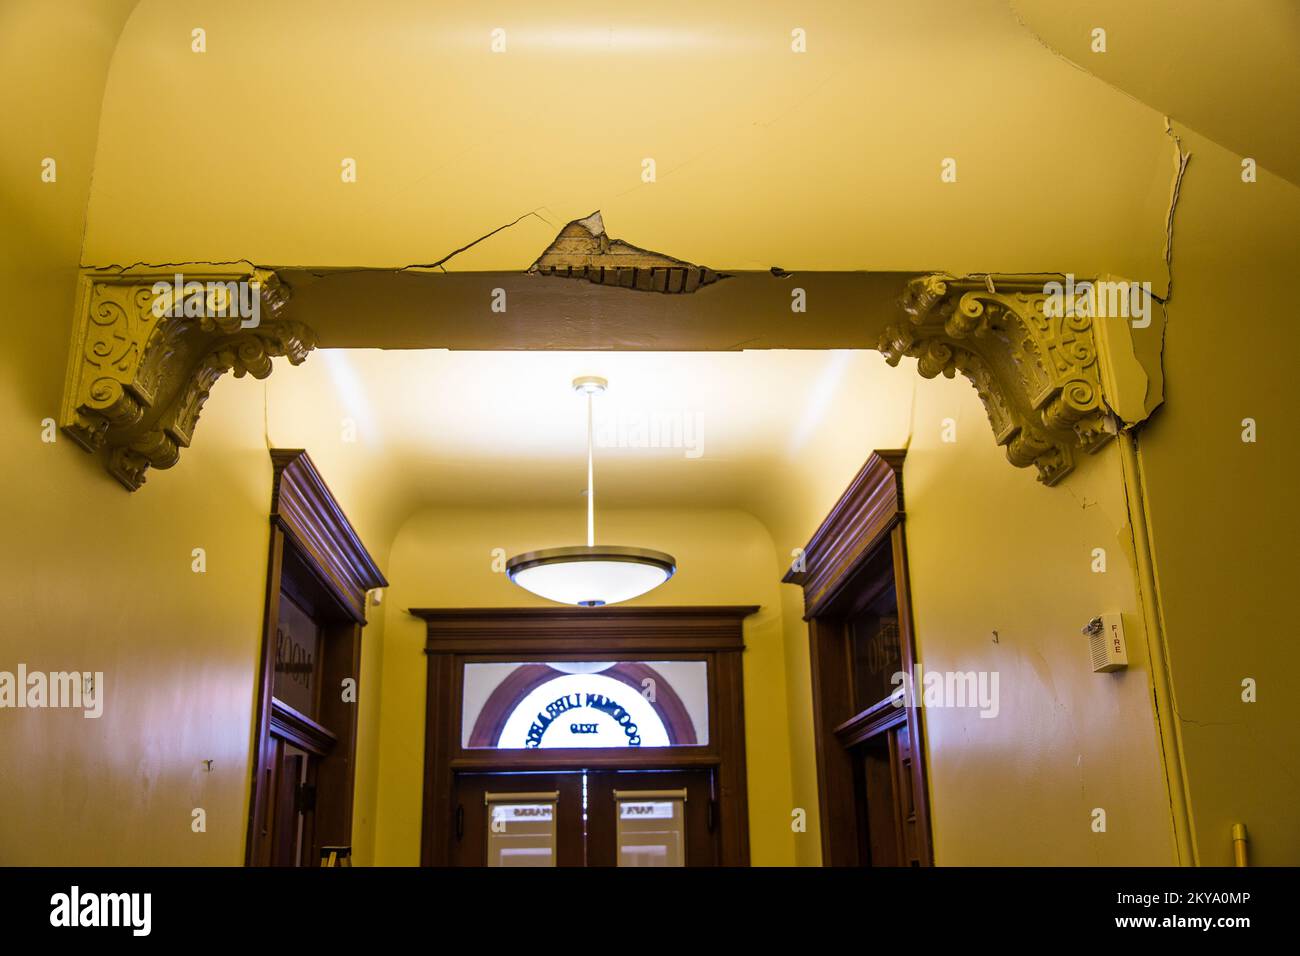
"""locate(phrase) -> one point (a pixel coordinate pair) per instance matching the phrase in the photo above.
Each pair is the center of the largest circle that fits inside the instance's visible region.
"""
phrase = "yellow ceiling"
(825, 160)
(828, 159)
(1228, 70)
(506, 427)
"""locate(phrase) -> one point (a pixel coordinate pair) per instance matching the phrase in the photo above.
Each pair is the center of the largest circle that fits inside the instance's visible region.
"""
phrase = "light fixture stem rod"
(591, 482)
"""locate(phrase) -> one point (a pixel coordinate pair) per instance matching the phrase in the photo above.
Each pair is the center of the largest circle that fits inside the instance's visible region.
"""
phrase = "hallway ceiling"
(1176, 56)
(823, 161)
(504, 428)
(763, 157)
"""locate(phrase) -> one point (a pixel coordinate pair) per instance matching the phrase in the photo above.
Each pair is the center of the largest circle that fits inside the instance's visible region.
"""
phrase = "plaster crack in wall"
(1181, 159)
(470, 245)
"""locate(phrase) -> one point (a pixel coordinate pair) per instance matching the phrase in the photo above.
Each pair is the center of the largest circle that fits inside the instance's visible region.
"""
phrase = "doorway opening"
(871, 771)
(585, 737)
(305, 721)
(476, 447)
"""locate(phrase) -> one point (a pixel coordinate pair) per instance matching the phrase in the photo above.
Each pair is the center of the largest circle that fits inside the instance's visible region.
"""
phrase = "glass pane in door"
(651, 827)
(877, 651)
(521, 829)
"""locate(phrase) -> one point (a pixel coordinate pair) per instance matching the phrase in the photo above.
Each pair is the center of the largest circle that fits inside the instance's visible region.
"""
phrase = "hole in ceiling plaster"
(583, 250)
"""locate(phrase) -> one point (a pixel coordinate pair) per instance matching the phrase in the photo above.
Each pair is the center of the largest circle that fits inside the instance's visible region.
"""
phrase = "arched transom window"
(581, 704)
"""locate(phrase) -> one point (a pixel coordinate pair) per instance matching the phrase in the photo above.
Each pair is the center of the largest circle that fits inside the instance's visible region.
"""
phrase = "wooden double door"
(586, 818)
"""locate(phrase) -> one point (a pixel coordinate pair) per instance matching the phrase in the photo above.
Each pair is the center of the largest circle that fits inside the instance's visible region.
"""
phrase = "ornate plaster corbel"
(1034, 362)
(147, 348)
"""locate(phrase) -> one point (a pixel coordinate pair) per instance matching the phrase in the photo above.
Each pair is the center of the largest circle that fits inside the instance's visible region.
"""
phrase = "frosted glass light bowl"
(591, 575)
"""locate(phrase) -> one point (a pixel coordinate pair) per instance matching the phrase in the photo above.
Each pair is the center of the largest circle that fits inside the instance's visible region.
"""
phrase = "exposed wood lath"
(582, 250)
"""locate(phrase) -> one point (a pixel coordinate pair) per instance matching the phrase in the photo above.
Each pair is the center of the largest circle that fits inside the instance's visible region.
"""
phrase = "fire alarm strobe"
(1106, 643)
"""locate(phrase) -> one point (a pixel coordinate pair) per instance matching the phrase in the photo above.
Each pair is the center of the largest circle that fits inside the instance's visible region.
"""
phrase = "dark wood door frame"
(461, 635)
(317, 559)
(864, 524)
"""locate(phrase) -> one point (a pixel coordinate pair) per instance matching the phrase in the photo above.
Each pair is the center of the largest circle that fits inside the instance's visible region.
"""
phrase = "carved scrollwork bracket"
(148, 347)
(1033, 361)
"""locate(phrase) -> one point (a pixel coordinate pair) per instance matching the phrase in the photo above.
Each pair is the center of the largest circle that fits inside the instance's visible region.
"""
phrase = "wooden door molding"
(317, 558)
(838, 571)
(868, 510)
(561, 630)
(527, 635)
(305, 509)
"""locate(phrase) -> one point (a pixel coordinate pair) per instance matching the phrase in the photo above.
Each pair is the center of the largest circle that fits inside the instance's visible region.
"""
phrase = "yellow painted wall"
(271, 190)
(96, 579)
(1224, 518)
(318, 406)
(443, 558)
(255, 174)
(1222, 511)
(861, 405)
(992, 549)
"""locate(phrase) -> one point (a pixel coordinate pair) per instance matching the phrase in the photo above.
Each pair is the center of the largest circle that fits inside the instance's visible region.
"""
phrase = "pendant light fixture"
(593, 575)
